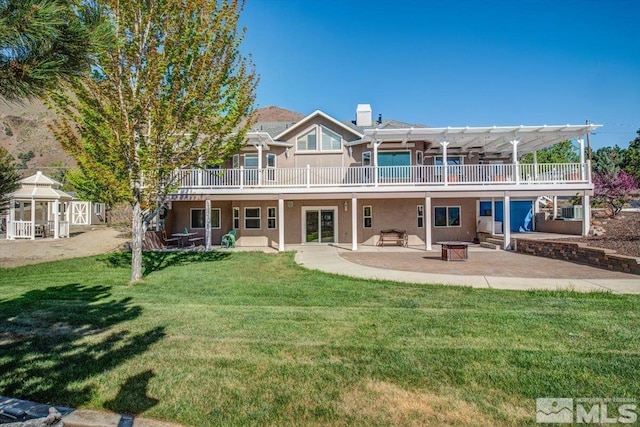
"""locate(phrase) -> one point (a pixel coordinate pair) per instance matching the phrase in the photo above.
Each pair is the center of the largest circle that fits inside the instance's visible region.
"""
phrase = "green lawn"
(254, 339)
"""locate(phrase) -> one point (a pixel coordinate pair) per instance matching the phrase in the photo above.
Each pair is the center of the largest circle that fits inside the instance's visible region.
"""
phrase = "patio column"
(56, 219)
(427, 223)
(516, 168)
(67, 208)
(375, 161)
(582, 169)
(493, 216)
(11, 217)
(586, 214)
(535, 165)
(260, 164)
(506, 222)
(33, 219)
(554, 207)
(354, 224)
(207, 225)
(445, 162)
(280, 214)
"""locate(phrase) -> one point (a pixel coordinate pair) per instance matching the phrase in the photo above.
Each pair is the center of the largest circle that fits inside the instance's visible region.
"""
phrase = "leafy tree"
(562, 152)
(8, 178)
(173, 93)
(44, 43)
(631, 157)
(615, 189)
(607, 159)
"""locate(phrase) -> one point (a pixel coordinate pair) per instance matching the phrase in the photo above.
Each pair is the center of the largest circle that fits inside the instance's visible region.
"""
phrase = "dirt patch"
(388, 404)
(621, 233)
(85, 241)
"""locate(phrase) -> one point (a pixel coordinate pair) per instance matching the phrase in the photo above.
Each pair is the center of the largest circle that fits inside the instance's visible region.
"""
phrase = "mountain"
(24, 130)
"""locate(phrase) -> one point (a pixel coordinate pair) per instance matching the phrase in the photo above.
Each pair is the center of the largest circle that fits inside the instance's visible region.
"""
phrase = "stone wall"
(581, 253)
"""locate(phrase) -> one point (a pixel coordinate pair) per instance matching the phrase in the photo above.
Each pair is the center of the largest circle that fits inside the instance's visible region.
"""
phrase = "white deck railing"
(308, 177)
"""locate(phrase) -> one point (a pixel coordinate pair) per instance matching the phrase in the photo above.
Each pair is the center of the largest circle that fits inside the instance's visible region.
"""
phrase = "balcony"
(361, 177)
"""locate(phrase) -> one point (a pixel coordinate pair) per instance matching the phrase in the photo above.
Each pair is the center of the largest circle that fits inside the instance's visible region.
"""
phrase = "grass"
(254, 339)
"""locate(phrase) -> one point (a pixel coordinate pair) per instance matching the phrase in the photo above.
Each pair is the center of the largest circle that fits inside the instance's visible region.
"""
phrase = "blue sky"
(446, 63)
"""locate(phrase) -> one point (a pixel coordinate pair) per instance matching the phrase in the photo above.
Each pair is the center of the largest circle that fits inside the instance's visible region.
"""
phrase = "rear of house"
(318, 180)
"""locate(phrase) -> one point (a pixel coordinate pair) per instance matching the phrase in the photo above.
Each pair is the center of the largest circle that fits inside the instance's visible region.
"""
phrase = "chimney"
(363, 115)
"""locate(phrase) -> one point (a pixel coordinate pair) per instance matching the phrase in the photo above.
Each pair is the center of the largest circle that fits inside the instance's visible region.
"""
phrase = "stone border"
(581, 253)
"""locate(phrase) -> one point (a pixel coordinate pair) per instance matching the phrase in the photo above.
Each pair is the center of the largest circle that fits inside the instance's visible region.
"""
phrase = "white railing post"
(241, 177)
(308, 176)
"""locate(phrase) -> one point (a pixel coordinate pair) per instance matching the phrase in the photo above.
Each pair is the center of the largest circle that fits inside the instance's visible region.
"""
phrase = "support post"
(280, 214)
(33, 219)
(516, 164)
(207, 225)
(375, 162)
(11, 218)
(427, 222)
(506, 222)
(554, 207)
(445, 168)
(586, 215)
(259, 164)
(308, 176)
(241, 177)
(535, 165)
(583, 172)
(354, 224)
(493, 216)
(67, 208)
(56, 219)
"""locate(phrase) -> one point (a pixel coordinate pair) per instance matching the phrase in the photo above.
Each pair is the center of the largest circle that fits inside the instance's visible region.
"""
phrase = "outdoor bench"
(393, 236)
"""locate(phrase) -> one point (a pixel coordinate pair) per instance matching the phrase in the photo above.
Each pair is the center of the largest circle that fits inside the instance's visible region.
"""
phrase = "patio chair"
(229, 239)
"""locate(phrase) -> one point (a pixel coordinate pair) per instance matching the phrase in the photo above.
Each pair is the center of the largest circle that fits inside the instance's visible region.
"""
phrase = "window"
(236, 218)
(451, 160)
(485, 208)
(419, 158)
(366, 216)
(252, 218)
(271, 166)
(251, 161)
(236, 161)
(447, 216)
(215, 218)
(271, 217)
(198, 219)
(420, 216)
(366, 158)
(330, 140)
(307, 142)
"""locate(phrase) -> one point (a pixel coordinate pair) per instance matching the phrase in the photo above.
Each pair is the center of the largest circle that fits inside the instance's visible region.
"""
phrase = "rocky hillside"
(25, 134)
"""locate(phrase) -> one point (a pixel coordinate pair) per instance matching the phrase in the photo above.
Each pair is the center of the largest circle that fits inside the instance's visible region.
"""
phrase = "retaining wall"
(581, 253)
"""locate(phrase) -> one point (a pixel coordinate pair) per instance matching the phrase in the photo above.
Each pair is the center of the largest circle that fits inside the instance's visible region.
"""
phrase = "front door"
(319, 225)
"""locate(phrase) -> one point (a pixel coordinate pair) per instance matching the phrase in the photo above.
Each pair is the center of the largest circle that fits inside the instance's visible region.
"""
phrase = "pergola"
(35, 209)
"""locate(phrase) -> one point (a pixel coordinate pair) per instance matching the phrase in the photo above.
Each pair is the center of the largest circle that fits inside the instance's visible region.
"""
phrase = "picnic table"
(184, 237)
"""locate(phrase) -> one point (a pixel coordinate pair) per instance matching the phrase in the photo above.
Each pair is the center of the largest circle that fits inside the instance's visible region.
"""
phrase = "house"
(316, 179)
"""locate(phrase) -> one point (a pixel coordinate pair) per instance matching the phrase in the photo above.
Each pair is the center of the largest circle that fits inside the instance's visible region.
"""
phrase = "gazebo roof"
(40, 187)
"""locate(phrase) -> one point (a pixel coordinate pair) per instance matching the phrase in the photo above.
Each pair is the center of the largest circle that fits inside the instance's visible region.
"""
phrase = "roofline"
(323, 115)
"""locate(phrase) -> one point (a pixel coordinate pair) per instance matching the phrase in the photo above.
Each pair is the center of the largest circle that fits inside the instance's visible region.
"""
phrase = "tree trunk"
(137, 233)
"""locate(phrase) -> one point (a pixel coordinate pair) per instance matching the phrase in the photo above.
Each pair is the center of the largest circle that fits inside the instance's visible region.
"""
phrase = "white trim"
(259, 218)
(304, 210)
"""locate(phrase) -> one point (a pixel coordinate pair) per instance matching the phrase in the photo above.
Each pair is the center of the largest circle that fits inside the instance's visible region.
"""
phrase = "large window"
(307, 141)
(198, 218)
(252, 218)
(366, 216)
(271, 167)
(447, 216)
(236, 161)
(329, 140)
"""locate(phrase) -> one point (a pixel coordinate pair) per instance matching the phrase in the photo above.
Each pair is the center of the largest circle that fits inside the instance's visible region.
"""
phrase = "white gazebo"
(38, 208)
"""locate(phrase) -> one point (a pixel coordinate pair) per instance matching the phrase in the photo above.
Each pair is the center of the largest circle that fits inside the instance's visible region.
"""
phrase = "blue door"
(521, 213)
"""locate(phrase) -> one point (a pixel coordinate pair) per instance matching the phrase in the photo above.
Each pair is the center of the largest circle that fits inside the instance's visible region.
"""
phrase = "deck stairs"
(496, 241)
